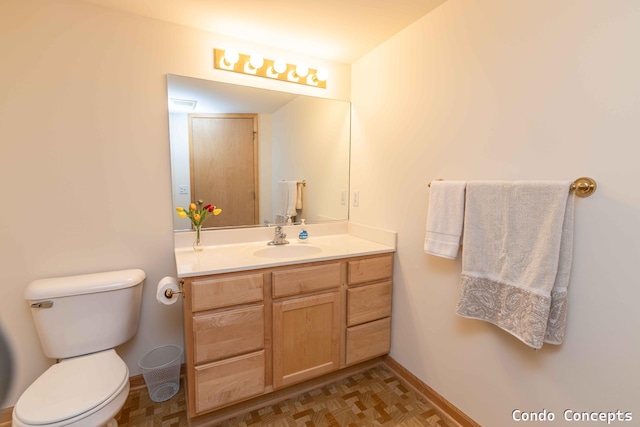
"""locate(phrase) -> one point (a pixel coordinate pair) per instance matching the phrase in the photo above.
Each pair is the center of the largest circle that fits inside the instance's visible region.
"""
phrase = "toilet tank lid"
(83, 284)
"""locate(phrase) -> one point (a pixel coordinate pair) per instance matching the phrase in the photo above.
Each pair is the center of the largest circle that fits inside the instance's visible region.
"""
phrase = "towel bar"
(303, 182)
(583, 186)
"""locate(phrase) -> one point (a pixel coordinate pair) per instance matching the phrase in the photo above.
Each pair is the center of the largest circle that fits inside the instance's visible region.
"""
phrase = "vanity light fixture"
(256, 65)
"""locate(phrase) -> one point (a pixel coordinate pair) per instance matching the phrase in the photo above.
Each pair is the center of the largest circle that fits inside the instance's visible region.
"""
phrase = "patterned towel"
(516, 257)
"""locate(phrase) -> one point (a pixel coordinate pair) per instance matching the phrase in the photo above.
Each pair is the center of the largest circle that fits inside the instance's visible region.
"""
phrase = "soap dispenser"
(303, 235)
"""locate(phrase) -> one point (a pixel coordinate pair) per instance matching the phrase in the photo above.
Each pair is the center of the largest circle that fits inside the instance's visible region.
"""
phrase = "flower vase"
(197, 244)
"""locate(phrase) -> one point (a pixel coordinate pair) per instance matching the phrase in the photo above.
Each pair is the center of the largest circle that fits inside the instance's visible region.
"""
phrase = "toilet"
(79, 320)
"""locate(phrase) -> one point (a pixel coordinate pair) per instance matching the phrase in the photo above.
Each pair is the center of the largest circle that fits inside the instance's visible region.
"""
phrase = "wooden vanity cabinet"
(253, 332)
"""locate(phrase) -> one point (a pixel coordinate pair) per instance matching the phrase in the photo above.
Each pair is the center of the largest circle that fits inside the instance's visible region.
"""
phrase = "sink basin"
(287, 251)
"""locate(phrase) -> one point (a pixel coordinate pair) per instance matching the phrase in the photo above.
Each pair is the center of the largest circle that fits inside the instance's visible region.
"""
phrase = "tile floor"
(373, 398)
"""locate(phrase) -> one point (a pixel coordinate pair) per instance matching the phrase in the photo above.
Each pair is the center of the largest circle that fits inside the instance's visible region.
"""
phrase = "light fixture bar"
(269, 68)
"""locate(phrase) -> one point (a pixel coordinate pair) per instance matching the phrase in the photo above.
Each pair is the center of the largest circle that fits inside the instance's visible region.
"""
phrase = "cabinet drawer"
(370, 269)
(367, 303)
(368, 340)
(224, 292)
(229, 333)
(228, 381)
(307, 279)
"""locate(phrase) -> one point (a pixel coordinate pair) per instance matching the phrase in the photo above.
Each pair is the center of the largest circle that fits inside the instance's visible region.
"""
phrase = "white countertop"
(240, 256)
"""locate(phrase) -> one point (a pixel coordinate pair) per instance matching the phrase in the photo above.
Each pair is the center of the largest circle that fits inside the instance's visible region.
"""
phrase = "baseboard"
(445, 409)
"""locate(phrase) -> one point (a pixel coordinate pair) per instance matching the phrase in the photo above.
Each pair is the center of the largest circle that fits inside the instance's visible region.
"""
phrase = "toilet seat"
(72, 390)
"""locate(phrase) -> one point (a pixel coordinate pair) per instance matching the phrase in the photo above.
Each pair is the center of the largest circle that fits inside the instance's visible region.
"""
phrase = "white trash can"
(161, 371)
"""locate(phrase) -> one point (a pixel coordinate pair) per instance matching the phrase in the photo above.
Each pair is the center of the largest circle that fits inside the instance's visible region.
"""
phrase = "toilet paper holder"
(170, 293)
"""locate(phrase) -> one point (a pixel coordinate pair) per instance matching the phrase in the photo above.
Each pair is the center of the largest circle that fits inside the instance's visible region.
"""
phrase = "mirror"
(258, 154)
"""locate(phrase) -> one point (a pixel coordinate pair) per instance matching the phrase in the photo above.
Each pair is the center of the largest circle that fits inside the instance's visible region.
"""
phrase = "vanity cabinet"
(253, 332)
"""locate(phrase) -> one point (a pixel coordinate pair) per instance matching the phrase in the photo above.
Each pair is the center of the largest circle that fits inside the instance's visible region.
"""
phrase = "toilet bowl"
(79, 320)
(83, 391)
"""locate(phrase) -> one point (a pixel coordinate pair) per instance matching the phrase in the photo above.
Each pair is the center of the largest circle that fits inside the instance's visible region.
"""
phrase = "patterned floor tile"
(375, 398)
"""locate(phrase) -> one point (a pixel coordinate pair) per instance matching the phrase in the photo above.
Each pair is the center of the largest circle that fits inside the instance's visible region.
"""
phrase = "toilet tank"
(78, 315)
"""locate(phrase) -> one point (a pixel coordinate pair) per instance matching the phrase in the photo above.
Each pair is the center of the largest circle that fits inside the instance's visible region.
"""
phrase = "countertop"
(239, 257)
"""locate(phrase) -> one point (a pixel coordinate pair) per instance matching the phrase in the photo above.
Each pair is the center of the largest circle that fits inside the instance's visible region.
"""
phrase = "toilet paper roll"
(164, 284)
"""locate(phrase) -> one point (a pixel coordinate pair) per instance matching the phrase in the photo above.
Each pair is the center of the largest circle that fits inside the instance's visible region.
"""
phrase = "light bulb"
(322, 74)
(256, 61)
(231, 56)
(302, 70)
(279, 66)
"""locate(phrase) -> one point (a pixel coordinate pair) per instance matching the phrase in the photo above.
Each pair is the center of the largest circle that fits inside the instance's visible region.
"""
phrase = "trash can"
(161, 371)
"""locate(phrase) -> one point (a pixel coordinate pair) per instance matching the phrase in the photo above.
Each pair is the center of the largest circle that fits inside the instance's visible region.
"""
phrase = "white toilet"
(80, 319)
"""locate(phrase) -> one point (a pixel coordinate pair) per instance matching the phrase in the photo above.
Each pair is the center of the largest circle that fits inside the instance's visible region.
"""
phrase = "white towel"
(299, 187)
(516, 257)
(445, 218)
(288, 194)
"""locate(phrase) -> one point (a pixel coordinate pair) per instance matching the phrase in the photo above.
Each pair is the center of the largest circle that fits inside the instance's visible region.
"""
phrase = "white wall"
(265, 166)
(179, 148)
(84, 155)
(305, 148)
(504, 89)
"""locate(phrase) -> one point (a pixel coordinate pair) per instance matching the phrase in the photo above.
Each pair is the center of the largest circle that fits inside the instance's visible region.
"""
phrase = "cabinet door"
(306, 338)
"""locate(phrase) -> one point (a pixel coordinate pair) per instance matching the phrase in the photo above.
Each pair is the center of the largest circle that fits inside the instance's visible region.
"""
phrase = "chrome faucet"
(279, 238)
